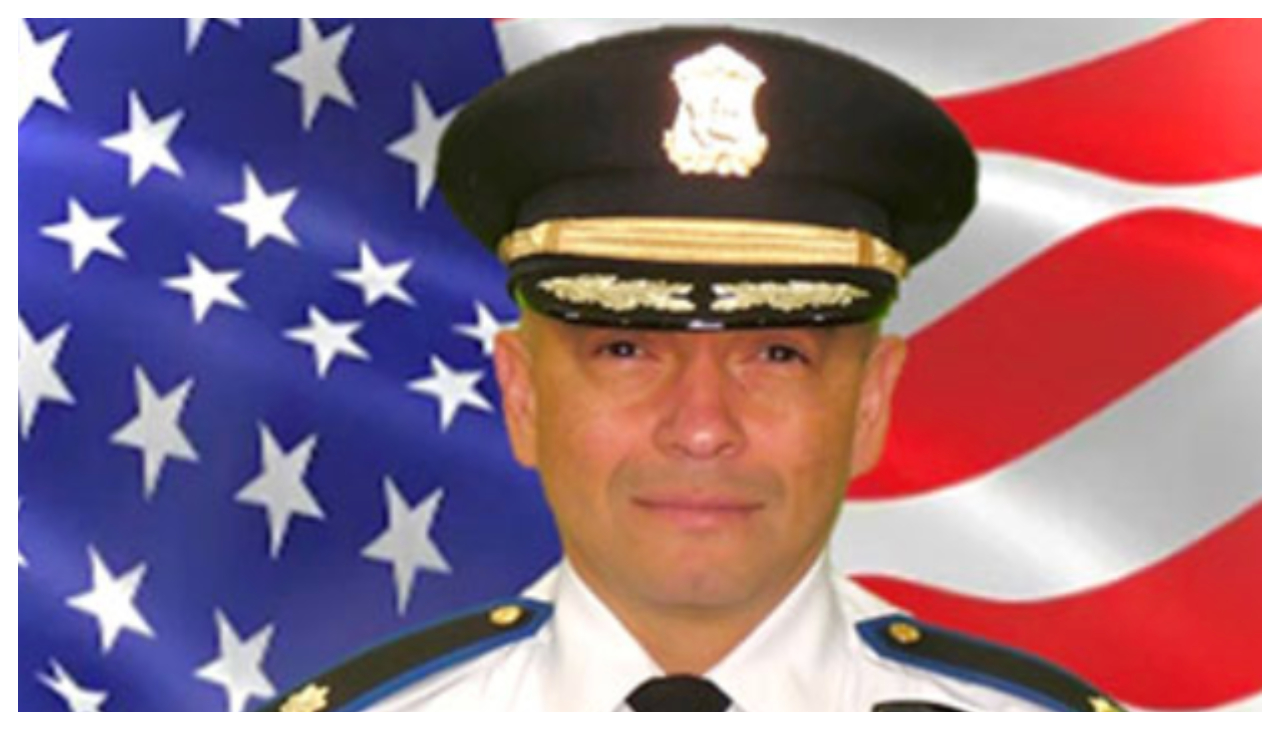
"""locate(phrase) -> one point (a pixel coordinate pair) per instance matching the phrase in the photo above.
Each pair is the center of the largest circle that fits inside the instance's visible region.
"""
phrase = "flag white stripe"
(1248, 704)
(1244, 704)
(940, 56)
(1137, 482)
(1027, 206)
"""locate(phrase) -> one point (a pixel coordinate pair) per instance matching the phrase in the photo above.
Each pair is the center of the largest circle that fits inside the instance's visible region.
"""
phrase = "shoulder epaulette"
(385, 669)
(908, 641)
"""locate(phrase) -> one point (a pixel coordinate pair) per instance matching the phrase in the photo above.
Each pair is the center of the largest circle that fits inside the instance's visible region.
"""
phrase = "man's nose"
(700, 419)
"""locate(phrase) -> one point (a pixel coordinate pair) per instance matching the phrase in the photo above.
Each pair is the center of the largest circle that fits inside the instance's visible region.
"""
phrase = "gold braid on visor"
(726, 242)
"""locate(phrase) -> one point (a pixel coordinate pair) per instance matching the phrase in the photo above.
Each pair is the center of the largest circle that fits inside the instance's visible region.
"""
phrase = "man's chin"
(702, 588)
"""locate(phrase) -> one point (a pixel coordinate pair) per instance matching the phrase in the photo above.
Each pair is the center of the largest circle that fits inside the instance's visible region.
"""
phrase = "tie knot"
(678, 693)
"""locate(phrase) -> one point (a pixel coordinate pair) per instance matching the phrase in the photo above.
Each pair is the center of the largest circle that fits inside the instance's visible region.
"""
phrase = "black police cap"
(707, 178)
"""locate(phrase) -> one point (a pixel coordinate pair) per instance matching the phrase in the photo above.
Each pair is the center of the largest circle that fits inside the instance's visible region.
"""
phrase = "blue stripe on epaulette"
(540, 613)
(872, 631)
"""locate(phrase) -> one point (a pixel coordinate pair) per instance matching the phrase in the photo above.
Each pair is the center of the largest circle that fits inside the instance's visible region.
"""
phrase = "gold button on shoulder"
(312, 698)
(1102, 704)
(504, 616)
(904, 633)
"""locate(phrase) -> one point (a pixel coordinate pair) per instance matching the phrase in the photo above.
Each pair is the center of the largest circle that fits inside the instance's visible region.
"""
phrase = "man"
(703, 228)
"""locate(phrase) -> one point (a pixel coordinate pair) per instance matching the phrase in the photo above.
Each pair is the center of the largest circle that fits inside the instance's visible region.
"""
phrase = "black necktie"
(678, 693)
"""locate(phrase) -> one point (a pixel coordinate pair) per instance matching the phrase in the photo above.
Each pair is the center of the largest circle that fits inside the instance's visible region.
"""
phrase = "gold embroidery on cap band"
(784, 296)
(620, 295)
(724, 241)
(715, 131)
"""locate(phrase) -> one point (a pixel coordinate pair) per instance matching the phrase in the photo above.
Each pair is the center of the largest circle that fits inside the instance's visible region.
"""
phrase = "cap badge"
(715, 131)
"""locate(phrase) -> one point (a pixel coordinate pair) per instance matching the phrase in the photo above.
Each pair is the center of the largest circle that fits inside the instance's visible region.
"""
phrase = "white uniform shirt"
(805, 656)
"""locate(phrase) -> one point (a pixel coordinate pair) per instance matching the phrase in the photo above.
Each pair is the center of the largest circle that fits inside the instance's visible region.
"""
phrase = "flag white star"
(453, 389)
(238, 667)
(485, 330)
(406, 543)
(38, 378)
(196, 27)
(155, 430)
(418, 147)
(315, 67)
(206, 287)
(280, 489)
(146, 142)
(262, 214)
(77, 698)
(328, 339)
(22, 561)
(110, 602)
(85, 235)
(378, 280)
(36, 60)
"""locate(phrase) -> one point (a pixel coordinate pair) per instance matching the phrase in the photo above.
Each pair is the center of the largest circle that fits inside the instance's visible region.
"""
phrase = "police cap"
(707, 178)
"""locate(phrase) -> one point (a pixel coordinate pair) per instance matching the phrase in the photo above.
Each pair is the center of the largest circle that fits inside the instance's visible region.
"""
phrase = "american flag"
(257, 415)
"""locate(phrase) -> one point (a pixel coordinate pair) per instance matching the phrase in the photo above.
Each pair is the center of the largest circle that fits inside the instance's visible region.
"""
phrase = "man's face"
(695, 470)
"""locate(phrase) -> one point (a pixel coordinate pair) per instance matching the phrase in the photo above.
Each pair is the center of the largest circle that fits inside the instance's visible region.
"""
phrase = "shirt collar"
(794, 660)
(594, 663)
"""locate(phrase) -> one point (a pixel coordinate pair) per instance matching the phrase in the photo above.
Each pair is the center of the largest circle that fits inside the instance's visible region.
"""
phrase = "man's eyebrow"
(827, 338)
(821, 336)
(579, 333)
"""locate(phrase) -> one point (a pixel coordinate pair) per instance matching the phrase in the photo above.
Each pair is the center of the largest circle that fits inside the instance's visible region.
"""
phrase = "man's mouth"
(698, 512)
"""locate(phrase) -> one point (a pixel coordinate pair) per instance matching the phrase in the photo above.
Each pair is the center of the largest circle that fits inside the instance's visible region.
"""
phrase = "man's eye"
(624, 349)
(785, 354)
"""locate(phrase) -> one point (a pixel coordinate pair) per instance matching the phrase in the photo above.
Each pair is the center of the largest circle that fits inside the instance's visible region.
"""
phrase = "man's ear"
(879, 379)
(513, 361)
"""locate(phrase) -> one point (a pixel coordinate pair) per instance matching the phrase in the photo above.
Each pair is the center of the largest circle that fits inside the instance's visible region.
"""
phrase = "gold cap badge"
(715, 130)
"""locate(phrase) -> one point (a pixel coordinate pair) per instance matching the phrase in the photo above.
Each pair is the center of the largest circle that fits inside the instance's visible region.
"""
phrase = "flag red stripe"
(1185, 633)
(1184, 107)
(1060, 338)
